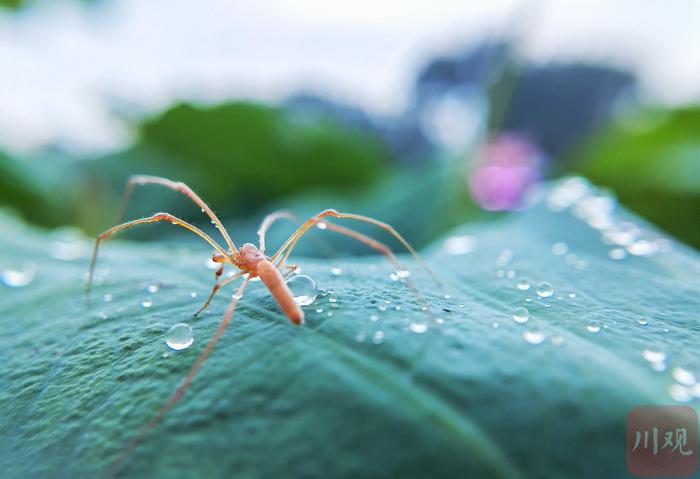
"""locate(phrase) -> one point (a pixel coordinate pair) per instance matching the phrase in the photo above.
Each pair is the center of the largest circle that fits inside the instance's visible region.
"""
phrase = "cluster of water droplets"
(597, 209)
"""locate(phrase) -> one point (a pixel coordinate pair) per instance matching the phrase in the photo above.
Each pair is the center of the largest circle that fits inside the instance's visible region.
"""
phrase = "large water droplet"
(683, 376)
(521, 315)
(418, 326)
(179, 337)
(654, 356)
(545, 290)
(533, 337)
(303, 288)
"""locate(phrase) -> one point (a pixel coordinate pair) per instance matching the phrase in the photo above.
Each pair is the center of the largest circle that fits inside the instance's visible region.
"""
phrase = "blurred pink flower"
(506, 167)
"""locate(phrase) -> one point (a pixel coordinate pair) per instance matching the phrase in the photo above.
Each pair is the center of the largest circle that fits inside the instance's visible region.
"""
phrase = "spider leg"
(333, 213)
(377, 245)
(151, 219)
(184, 385)
(267, 222)
(216, 288)
(181, 188)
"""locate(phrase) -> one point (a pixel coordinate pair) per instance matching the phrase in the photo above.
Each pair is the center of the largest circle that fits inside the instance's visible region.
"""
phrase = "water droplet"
(617, 253)
(447, 296)
(593, 328)
(319, 309)
(147, 303)
(394, 277)
(643, 322)
(193, 294)
(179, 337)
(332, 298)
(572, 295)
(545, 290)
(303, 288)
(683, 376)
(680, 393)
(504, 257)
(378, 337)
(107, 298)
(14, 278)
(654, 356)
(521, 315)
(533, 337)
(382, 307)
(418, 327)
(402, 273)
(642, 248)
(439, 321)
(459, 245)
(335, 271)
(374, 318)
(559, 249)
(321, 225)
(523, 284)
(153, 288)
(557, 340)
(495, 325)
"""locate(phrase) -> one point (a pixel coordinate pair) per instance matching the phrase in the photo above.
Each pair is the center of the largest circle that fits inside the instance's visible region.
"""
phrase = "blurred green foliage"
(651, 159)
(240, 156)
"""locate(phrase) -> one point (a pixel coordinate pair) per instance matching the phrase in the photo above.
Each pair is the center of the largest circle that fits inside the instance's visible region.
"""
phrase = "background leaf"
(469, 397)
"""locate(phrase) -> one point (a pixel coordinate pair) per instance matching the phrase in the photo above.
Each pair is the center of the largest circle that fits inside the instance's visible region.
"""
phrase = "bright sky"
(65, 68)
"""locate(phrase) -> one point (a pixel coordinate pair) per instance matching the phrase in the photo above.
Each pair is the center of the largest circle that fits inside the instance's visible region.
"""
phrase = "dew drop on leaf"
(521, 315)
(533, 337)
(147, 303)
(303, 288)
(179, 337)
(545, 290)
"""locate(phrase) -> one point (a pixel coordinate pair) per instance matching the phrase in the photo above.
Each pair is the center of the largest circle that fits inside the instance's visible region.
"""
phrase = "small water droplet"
(193, 294)
(495, 325)
(319, 309)
(102, 315)
(523, 284)
(332, 299)
(147, 303)
(572, 295)
(557, 340)
(447, 296)
(683, 376)
(617, 253)
(303, 288)
(418, 327)
(680, 393)
(378, 337)
(642, 248)
(18, 278)
(593, 328)
(179, 337)
(459, 245)
(439, 321)
(545, 290)
(153, 288)
(559, 249)
(394, 277)
(335, 271)
(402, 273)
(382, 307)
(107, 298)
(321, 225)
(643, 322)
(521, 315)
(533, 337)
(329, 314)
(374, 318)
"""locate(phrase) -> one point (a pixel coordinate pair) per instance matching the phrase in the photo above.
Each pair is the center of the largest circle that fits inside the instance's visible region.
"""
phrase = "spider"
(251, 262)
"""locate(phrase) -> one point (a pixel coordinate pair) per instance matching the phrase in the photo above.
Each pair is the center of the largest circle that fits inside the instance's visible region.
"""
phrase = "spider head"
(248, 257)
